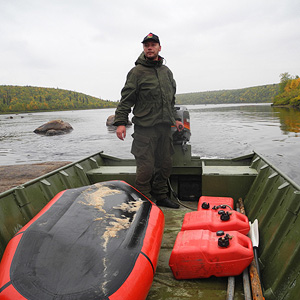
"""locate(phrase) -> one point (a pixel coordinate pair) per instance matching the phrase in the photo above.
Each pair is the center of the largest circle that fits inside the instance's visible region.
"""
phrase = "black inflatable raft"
(95, 242)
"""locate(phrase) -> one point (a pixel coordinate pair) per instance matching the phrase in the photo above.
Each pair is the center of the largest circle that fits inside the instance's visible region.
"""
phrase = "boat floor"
(165, 286)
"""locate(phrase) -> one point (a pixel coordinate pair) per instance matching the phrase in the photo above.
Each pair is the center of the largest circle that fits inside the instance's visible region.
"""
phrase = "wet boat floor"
(165, 286)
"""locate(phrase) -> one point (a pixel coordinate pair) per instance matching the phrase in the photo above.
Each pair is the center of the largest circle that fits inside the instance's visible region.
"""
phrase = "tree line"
(258, 94)
(289, 91)
(29, 98)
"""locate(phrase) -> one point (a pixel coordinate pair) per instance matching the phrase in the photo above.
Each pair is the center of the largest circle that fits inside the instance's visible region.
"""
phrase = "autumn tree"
(284, 78)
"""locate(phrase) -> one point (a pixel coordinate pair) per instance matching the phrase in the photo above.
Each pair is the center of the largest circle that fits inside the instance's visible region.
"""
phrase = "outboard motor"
(188, 187)
(182, 137)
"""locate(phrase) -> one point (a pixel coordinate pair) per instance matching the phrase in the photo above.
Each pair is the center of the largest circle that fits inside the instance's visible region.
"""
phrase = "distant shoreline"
(285, 106)
(48, 110)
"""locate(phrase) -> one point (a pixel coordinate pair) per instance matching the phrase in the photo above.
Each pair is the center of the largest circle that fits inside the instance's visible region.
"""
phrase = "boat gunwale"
(276, 169)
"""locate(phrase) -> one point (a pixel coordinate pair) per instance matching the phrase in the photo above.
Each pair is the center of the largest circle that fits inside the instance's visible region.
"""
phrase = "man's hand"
(121, 132)
(179, 125)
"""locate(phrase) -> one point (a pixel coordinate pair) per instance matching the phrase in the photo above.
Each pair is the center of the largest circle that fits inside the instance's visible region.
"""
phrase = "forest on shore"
(29, 99)
(257, 94)
(289, 91)
(16, 99)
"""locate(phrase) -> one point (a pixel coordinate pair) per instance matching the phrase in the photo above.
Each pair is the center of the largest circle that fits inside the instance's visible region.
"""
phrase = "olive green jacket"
(150, 89)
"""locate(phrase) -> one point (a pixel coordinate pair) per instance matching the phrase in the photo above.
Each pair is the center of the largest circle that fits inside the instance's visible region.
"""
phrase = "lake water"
(223, 131)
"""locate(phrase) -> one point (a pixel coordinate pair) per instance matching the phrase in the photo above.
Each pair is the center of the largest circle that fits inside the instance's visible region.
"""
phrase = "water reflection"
(111, 129)
(289, 119)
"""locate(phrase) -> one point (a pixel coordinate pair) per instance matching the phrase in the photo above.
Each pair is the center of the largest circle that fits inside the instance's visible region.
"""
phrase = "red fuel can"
(199, 254)
(215, 220)
(207, 202)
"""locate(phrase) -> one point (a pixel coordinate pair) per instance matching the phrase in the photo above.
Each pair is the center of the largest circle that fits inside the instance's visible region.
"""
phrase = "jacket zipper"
(161, 94)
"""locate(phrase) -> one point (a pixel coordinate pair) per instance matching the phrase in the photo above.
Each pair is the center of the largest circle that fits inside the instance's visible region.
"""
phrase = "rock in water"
(54, 127)
(111, 119)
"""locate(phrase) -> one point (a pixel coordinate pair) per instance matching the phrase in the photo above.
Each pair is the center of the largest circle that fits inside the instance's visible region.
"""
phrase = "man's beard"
(152, 57)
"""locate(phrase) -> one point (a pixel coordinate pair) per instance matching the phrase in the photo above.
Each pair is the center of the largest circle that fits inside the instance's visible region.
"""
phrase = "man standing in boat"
(150, 89)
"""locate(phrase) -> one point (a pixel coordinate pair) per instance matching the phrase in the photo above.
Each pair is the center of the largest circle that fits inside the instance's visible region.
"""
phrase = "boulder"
(54, 132)
(111, 119)
(54, 127)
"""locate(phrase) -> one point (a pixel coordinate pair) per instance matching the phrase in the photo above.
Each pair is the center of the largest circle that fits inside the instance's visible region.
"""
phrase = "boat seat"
(228, 170)
(105, 173)
(232, 180)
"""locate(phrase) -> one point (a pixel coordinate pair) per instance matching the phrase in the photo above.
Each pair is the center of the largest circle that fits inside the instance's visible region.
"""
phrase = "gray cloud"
(89, 46)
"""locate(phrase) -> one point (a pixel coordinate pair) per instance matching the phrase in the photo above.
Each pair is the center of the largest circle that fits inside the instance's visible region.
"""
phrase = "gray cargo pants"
(153, 150)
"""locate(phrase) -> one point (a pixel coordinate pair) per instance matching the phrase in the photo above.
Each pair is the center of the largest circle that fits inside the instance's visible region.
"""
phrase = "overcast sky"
(89, 46)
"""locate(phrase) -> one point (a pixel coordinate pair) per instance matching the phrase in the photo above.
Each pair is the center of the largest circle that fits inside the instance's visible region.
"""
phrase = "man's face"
(151, 50)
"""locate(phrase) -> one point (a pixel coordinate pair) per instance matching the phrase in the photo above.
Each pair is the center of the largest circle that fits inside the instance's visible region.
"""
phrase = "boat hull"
(268, 195)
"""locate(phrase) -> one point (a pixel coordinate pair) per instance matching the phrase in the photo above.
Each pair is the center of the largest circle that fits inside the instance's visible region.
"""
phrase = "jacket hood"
(142, 60)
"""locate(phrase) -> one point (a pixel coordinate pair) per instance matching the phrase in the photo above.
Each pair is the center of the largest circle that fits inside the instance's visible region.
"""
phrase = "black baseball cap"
(152, 37)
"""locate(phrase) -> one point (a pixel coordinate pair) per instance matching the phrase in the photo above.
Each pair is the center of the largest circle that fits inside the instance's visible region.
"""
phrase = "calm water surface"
(224, 131)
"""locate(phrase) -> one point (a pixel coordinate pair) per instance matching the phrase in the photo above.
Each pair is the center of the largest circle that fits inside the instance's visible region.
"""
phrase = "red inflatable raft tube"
(202, 253)
(207, 202)
(215, 220)
(95, 242)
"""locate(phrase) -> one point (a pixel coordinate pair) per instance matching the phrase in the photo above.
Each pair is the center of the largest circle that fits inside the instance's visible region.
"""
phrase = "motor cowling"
(182, 137)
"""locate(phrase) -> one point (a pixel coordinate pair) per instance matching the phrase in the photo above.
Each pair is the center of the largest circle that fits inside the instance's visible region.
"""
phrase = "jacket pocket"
(142, 110)
(172, 150)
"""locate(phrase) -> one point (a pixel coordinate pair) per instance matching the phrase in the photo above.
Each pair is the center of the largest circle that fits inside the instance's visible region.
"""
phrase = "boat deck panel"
(104, 173)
